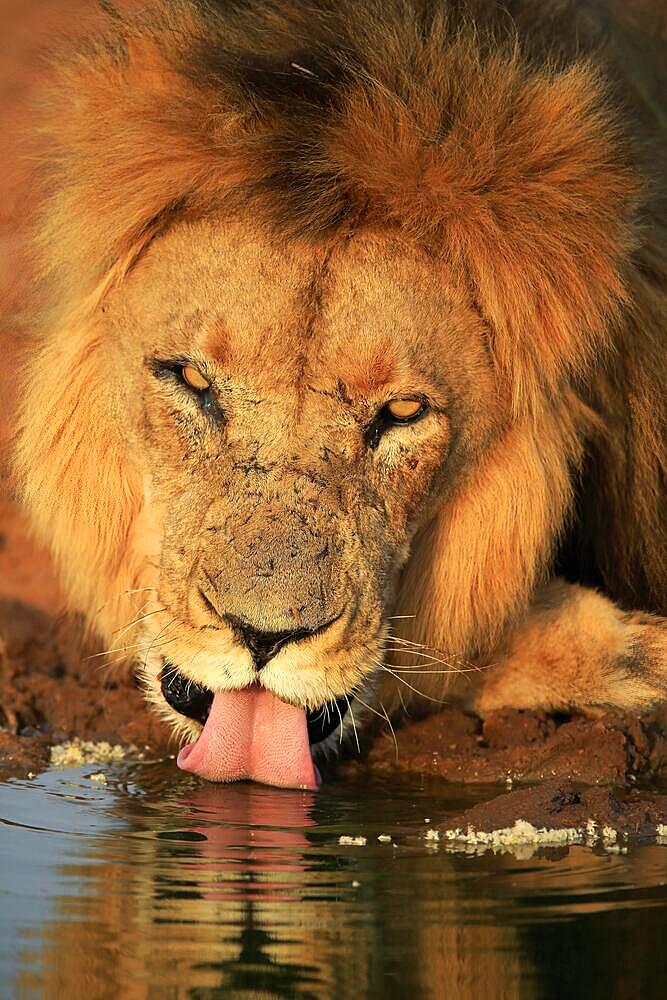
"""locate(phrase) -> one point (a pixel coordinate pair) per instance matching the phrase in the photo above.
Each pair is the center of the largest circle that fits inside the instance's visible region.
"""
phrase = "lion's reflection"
(243, 891)
(236, 897)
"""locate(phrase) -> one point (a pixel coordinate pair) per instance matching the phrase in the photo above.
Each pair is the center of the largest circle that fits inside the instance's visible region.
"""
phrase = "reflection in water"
(157, 885)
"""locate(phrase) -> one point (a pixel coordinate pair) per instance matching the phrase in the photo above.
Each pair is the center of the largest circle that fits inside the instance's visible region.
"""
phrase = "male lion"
(353, 355)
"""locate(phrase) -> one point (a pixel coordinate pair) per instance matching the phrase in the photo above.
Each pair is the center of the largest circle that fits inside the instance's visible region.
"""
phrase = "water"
(156, 885)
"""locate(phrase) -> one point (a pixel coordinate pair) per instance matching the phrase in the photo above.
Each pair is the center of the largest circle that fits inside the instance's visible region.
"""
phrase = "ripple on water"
(149, 877)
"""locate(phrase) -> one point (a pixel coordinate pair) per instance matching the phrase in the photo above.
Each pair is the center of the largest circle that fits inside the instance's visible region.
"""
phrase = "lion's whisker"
(417, 669)
(386, 714)
(423, 656)
(119, 649)
(123, 649)
(420, 645)
(137, 621)
(403, 705)
(453, 666)
(410, 642)
(123, 659)
(385, 718)
(420, 668)
(354, 725)
(369, 707)
(155, 638)
(433, 649)
(340, 716)
(438, 701)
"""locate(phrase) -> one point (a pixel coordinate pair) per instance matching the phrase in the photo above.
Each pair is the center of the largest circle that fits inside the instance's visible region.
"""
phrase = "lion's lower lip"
(323, 721)
(184, 696)
(194, 701)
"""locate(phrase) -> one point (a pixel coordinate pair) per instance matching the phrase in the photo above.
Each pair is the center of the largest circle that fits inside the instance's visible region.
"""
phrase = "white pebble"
(76, 752)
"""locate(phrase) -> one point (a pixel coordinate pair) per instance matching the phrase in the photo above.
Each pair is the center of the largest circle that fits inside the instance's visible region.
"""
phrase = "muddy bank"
(53, 688)
(611, 770)
(561, 805)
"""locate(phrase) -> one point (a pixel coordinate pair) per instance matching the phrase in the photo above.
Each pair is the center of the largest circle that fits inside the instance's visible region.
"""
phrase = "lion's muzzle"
(270, 572)
(282, 596)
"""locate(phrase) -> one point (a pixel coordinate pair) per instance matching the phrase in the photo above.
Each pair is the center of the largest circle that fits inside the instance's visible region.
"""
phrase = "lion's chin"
(250, 734)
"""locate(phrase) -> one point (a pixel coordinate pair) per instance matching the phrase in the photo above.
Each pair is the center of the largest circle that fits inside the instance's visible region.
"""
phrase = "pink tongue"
(252, 734)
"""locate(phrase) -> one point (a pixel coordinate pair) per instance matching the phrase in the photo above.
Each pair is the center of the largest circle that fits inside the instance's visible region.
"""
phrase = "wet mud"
(611, 769)
(551, 772)
(53, 688)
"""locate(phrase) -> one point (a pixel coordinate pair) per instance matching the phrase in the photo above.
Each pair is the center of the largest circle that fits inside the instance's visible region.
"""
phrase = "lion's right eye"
(194, 378)
(186, 375)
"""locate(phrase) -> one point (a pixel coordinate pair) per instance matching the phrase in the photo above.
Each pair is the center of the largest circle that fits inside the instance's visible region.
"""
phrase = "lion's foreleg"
(576, 649)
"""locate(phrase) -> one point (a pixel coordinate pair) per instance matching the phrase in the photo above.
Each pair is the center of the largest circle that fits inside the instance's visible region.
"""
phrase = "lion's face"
(295, 415)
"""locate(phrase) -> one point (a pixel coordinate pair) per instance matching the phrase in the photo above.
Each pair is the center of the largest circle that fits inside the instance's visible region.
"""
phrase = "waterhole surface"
(153, 884)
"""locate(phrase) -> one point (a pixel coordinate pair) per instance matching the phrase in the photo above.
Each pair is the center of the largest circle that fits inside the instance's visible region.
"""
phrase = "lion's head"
(319, 307)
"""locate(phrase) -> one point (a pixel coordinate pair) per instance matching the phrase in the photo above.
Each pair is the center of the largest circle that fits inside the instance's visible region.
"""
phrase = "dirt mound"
(513, 745)
(52, 686)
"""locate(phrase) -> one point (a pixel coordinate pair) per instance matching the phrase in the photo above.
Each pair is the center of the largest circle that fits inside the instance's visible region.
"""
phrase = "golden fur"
(324, 208)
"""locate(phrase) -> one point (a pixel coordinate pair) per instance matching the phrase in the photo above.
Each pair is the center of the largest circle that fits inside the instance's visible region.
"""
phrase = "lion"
(347, 393)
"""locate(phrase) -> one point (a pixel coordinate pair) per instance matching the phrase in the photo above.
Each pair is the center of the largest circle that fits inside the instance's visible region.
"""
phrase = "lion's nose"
(263, 645)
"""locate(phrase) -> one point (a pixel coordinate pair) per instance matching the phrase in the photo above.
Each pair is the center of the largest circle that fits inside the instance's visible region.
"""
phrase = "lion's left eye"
(405, 410)
(194, 378)
(402, 411)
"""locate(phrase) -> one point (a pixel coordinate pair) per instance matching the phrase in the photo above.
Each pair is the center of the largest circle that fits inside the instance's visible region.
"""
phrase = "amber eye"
(404, 410)
(194, 378)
